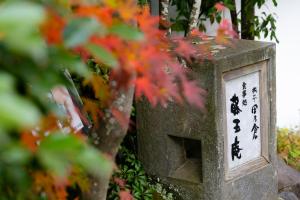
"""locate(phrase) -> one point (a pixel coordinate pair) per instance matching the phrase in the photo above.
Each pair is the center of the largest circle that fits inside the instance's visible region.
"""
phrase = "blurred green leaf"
(65, 60)
(18, 27)
(94, 162)
(6, 82)
(126, 32)
(59, 151)
(103, 55)
(79, 30)
(15, 154)
(16, 112)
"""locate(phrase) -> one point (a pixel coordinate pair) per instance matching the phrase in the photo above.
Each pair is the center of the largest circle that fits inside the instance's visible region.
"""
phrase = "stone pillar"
(227, 152)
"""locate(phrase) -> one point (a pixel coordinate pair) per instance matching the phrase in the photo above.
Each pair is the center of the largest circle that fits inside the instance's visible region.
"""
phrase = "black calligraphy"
(235, 149)
(244, 93)
(254, 108)
(254, 92)
(237, 128)
(254, 130)
(235, 110)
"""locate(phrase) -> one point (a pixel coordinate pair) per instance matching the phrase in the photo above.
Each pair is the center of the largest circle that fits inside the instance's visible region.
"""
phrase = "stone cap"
(231, 48)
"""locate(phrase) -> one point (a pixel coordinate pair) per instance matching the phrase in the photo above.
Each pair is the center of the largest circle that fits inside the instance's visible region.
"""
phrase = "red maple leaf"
(125, 195)
(225, 30)
(185, 49)
(220, 7)
(120, 182)
(144, 86)
(193, 93)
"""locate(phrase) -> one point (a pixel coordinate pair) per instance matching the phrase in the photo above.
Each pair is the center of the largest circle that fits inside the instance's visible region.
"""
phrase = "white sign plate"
(62, 97)
(243, 120)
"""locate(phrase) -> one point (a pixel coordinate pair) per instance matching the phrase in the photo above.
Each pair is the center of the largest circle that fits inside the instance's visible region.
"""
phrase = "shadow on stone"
(288, 196)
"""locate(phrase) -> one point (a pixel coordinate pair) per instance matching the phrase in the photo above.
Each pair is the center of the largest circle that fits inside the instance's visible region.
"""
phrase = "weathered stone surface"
(288, 178)
(288, 196)
(181, 142)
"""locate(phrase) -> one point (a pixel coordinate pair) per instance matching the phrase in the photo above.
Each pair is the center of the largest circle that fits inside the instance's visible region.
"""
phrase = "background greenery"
(288, 146)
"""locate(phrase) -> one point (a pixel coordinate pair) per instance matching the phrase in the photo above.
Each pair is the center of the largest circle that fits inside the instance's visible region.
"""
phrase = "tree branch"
(247, 25)
(234, 19)
(163, 14)
(193, 22)
(108, 138)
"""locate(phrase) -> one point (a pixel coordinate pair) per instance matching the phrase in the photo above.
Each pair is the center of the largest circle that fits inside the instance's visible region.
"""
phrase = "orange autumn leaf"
(93, 108)
(100, 87)
(30, 140)
(49, 123)
(127, 9)
(52, 28)
(44, 182)
(102, 14)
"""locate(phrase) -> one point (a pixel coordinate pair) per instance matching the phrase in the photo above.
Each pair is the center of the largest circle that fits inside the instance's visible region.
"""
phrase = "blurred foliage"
(39, 40)
(262, 25)
(288, 146)
(33, 165)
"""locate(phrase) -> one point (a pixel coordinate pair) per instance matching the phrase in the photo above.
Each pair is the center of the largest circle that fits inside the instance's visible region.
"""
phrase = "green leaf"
(65, 60)
(126, 32)
(79, 30)
(103, 55)
(16, 155)
(6, 82)
(17, 112)
(94, 162)
(24, 14)
(56, 163)
(18, 25)
(59, 151)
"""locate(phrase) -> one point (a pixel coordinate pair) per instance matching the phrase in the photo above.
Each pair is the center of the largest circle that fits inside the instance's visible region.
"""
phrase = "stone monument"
(228, 151)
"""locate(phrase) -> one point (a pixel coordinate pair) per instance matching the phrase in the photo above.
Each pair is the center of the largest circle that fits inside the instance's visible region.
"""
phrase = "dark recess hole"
(192, 149)
(190, 167)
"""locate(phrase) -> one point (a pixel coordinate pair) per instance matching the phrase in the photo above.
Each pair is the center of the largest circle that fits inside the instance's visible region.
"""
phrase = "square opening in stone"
(190, 168)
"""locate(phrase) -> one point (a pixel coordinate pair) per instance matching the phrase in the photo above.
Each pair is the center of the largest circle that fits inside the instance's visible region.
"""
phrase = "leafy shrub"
(130, 176)
(288, 146)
